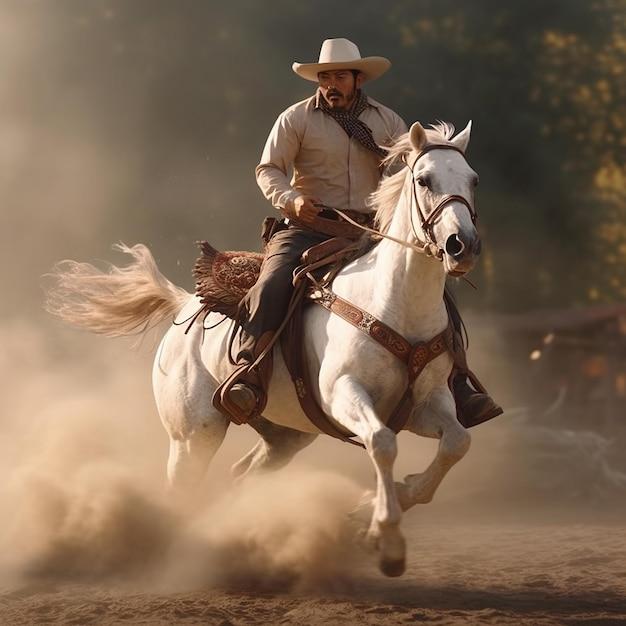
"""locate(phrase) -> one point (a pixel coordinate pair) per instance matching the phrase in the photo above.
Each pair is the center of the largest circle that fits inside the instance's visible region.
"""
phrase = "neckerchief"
(350, 122)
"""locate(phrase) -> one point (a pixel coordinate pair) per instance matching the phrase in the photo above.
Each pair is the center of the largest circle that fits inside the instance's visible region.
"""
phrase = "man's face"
(339, 87)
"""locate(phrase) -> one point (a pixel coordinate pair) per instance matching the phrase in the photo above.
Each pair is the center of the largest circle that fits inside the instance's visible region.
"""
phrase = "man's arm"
(278, 156)
(280, 150)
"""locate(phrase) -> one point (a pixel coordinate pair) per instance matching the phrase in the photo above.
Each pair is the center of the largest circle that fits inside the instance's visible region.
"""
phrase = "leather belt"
(331, 224)
(360, 217)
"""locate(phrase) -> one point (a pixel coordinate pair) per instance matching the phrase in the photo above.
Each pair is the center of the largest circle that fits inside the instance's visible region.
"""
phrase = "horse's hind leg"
(277, 446)
(437, 420)
(190, 456)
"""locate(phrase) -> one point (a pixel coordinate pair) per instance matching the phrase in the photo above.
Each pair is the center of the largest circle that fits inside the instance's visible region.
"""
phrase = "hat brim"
(371, 67)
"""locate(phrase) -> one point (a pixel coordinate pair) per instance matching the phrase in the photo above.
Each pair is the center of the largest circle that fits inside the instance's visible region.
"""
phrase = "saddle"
(223, 279)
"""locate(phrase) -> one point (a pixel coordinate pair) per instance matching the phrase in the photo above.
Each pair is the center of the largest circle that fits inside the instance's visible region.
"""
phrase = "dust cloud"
(83, 456)
(87, 159)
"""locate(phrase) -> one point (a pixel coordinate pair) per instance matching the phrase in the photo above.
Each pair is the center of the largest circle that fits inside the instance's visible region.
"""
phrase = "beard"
(340, 100)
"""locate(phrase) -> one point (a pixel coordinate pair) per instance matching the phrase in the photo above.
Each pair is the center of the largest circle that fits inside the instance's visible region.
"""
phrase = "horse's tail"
(121, 301)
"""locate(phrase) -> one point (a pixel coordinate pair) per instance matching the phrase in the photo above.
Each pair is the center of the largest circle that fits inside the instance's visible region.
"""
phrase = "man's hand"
(304, 208)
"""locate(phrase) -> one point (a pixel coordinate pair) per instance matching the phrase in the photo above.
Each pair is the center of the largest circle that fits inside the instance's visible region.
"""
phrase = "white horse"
(359, 381)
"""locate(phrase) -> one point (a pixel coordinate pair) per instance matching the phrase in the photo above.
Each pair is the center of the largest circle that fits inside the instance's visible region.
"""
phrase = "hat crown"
(338, 51)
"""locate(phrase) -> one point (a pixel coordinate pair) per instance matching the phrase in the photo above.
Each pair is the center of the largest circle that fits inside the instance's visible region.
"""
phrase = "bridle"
(430, 247)
(427, 223)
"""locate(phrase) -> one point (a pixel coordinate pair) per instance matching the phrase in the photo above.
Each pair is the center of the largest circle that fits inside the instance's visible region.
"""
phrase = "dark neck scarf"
(350, 122)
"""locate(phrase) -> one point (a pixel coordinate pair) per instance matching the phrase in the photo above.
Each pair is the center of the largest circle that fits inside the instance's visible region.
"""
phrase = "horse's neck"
(400, 286)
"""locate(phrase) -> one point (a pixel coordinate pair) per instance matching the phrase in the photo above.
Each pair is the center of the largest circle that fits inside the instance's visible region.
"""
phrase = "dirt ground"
(479, 573)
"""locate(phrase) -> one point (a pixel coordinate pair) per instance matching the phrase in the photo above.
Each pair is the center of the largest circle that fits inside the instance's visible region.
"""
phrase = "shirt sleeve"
(400, 127)
(278, 156)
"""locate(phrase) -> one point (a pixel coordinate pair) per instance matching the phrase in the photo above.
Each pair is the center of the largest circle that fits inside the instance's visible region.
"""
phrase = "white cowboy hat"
(338, 54)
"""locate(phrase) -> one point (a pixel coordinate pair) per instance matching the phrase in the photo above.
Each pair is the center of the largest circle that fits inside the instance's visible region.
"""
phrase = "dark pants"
(264, 307)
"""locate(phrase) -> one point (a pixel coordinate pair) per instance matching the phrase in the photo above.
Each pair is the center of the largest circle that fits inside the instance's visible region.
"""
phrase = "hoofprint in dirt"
(474, 573)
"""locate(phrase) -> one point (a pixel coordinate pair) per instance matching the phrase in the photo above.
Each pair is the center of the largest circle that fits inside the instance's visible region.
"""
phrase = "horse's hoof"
(392, 567)
(415, 494)
(392, 550)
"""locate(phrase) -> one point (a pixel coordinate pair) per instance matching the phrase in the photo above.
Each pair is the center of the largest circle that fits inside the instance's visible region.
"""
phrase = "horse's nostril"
(454, 246)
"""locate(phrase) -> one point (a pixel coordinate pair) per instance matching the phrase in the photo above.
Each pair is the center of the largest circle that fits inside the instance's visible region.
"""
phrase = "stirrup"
(245, 397)
(479, 408)
(473, 404)
(224, 400)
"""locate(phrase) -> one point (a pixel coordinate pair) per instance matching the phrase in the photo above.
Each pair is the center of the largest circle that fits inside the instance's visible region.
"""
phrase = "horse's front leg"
(352, 407)
(437, 420)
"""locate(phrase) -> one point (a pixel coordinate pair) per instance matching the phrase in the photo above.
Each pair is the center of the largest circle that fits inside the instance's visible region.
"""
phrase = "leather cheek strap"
(427, 223)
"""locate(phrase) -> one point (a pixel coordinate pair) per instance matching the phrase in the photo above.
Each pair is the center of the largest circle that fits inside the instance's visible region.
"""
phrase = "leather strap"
(377, 330)
(292, 344)
(414, 356)
(427, 222)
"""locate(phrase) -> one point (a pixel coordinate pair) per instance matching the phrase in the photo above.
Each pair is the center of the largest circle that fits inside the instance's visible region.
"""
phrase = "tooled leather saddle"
(224, 278)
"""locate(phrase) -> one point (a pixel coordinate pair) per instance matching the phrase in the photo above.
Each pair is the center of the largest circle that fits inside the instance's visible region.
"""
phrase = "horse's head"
(442, 206)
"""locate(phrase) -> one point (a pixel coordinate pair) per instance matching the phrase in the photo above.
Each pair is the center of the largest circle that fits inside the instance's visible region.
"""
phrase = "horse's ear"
(462, 139)
(417, 136)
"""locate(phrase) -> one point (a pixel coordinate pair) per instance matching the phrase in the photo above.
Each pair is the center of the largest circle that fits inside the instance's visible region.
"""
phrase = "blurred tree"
(582, 83)
(545, 82)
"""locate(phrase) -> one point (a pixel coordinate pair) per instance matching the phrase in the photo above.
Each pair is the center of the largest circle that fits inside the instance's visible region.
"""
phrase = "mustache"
(333, 92)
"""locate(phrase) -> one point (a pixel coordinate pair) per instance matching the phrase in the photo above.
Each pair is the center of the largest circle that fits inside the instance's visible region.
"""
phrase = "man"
(331, 141)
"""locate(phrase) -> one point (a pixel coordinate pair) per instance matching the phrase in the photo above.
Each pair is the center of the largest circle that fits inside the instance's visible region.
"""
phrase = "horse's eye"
(423, 182)
(475, 182)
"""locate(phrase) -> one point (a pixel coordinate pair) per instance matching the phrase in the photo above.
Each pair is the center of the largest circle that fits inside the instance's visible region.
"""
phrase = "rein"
(430, 247)
(425, 249)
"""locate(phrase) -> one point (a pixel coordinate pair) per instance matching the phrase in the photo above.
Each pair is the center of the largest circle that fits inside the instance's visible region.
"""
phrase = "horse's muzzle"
(461, 252)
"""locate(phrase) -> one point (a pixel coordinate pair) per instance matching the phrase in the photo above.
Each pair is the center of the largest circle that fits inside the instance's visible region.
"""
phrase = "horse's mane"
(384, 200)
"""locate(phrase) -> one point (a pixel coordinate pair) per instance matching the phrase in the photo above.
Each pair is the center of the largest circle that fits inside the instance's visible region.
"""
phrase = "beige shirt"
(323, 161)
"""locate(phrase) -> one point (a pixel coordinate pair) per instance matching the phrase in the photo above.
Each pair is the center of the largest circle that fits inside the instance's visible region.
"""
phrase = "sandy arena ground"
(514, 572)
(531, 573)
